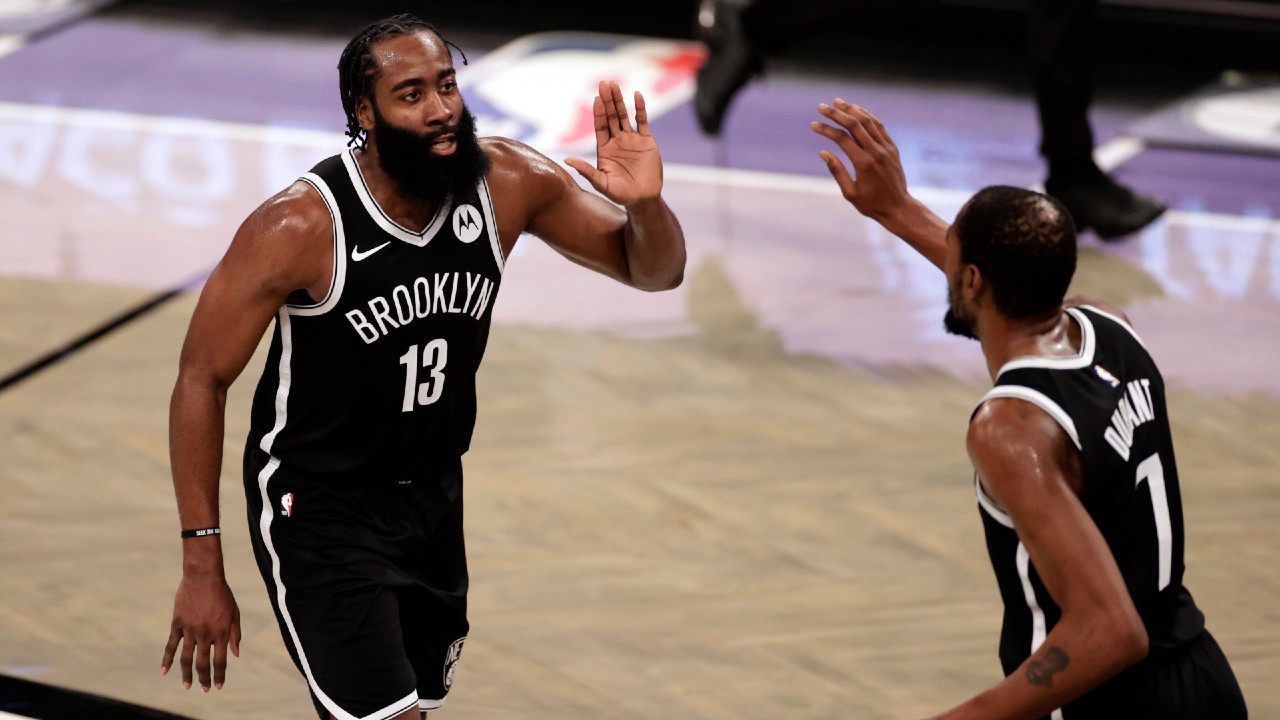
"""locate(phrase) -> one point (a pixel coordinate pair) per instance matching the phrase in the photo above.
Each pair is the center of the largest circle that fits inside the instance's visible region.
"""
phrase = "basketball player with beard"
(1075, 475)
(380, 267)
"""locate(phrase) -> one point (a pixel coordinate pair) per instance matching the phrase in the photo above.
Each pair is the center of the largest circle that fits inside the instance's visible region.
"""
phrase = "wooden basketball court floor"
(746, 498)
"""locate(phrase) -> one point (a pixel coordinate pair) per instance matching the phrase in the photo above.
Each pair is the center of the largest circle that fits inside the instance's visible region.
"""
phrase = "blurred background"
(742, 498)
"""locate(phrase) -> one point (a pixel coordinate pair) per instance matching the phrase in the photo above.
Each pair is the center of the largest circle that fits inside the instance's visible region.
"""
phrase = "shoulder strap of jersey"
(321, 180)
(1100, 315)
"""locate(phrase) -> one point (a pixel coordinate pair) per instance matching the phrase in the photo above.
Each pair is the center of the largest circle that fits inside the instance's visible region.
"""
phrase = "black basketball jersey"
(376, 381)
(1110, 401)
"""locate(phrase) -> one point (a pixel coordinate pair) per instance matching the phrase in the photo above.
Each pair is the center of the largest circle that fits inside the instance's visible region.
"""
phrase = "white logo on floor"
(1247, 116)
(540, 89)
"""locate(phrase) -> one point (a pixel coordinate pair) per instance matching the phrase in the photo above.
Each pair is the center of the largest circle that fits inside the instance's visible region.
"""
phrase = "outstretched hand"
(628, 167)
(878, 186)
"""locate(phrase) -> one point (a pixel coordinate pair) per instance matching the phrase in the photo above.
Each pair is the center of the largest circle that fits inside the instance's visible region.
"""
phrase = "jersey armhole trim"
(495, 239)
(989, 505)
(1117, 320)
(339, 278)
(1039, 399)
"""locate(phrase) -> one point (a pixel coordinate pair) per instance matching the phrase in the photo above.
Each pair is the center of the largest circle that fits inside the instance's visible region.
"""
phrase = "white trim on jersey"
(996, 512)
(1088, 343)
(284, 378)
(425, 705)
(486, 205)
(339, 280)
(392, 227)
(1039, 631)
(1119, 321)
(264, 526)
(1035, 397)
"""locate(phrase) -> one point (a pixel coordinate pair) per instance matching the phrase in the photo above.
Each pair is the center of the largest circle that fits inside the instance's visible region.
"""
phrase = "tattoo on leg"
(1040, 671)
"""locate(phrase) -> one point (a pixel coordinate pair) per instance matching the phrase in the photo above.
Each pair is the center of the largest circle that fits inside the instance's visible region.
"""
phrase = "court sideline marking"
(96, 333)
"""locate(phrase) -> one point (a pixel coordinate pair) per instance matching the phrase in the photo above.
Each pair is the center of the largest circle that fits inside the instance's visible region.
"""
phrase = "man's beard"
(953, 322)
(406, 156)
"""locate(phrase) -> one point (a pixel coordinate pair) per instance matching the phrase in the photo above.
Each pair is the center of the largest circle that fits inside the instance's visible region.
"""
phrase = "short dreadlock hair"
(357, 70)
(1025, 245)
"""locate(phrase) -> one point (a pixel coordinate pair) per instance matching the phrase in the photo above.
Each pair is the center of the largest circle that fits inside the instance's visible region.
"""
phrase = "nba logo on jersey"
(451, 661)
(467, 223)
(540, 89)
(1110, 379)
(286, 504)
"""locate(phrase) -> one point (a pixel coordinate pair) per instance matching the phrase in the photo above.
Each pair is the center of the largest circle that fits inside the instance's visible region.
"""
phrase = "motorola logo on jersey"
(467, 224)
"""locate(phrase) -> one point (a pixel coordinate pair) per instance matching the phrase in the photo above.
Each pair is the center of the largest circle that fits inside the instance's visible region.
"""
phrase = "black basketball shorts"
(368, 582)
(1191, 682)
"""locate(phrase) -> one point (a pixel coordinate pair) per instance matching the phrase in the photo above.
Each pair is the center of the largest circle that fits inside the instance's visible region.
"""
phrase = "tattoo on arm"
(1041, 671)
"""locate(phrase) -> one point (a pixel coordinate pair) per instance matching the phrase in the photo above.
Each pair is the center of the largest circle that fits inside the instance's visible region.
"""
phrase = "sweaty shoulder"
(523, 183)
(1008, 432)
(296, 213)
(522, 176)
(291, 235)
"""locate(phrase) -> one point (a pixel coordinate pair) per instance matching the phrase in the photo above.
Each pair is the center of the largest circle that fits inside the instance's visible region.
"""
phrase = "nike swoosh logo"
(358, 256)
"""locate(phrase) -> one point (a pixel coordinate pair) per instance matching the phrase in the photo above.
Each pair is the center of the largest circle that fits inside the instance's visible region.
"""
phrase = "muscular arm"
(641, 245)
(273, 254)
(1027, 465)
(632, 236)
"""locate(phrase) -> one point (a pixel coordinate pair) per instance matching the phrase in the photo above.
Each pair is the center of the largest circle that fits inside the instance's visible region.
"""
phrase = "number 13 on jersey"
(433, 357)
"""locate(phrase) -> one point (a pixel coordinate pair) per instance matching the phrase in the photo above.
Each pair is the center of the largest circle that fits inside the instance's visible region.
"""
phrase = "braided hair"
(357, 70)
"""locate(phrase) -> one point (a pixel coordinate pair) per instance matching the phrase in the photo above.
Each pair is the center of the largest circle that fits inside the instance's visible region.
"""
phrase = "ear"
(364, 114)
(972, 283)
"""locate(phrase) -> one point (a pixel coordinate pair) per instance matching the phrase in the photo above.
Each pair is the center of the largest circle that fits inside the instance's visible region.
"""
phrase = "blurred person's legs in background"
(1058, 38)
(740, 34)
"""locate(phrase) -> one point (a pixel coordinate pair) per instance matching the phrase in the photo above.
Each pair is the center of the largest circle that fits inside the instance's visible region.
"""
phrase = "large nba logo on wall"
(539, 89)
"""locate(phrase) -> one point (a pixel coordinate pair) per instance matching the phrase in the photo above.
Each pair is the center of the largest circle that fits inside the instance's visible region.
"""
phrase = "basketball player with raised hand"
(1075, 475)
(380, 268)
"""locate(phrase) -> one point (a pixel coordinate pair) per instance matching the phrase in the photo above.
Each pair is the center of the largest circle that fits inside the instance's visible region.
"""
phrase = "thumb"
(586, 170)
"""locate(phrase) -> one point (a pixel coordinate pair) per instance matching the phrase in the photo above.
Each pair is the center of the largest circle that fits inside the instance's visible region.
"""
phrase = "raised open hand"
(628, 167)
(877, 187)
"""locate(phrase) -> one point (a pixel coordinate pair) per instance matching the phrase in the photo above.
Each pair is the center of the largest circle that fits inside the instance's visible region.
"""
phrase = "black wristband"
(202, 532)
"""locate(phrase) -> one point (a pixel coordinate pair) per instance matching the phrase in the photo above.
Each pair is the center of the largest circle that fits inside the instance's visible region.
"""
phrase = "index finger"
(842, 138)
(601, 121)
(642, 116)
(855, 124)
(868, 120)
